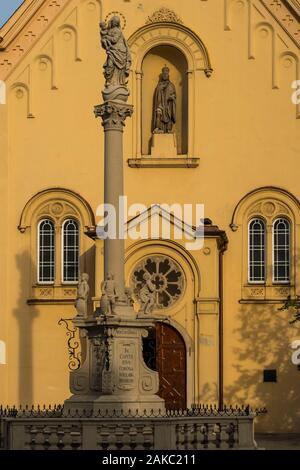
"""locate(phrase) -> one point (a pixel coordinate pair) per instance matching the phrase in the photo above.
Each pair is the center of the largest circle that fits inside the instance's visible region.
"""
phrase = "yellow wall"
(246, 135)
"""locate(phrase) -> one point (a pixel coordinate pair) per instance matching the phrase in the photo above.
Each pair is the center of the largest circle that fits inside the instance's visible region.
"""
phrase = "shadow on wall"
(264, 336)
(88, 260)
(22, 360)
(25, 316)
(209, 393)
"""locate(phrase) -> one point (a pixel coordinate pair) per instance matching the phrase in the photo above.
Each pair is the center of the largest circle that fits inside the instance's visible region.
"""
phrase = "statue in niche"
(82, 296)
(109, 292)
(147, 295)
(118, 62)
(164, 110)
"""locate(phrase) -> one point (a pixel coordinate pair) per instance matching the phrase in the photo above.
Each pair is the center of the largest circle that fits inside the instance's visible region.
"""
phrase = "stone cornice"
(287, 14)
(18, 21)
(23, 29)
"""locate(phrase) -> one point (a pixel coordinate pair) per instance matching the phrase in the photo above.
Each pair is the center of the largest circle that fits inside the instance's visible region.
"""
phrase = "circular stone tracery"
(166, 276)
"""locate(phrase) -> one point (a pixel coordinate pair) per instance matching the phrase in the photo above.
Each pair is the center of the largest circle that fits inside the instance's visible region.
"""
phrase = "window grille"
(70, 251)
(257, 251)
(46, 252)
(281, 251)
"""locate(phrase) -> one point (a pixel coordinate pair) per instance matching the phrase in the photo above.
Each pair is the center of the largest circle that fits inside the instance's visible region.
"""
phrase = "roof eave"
(18, 21)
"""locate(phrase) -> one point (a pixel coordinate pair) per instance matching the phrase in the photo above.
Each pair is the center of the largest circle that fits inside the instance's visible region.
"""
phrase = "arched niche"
(154, 61)
(186, 48)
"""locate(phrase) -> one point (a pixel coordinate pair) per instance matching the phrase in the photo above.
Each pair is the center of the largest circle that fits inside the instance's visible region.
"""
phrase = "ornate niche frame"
(58, 205)
(268, 204)
(157, 32)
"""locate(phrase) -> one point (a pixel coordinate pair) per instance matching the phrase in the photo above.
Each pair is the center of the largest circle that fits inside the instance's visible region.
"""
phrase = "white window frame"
(278, 282)
(265, 251)
(46, 283)
(62, 252)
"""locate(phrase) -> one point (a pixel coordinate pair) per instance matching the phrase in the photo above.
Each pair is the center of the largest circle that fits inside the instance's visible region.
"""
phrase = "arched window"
(46, 252)
(257, 251)
(281, 250)
(70, 247)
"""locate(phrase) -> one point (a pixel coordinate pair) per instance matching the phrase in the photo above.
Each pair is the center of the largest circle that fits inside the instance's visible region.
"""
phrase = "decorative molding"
(287, 15)
(59, 294)
(258, 202)
(270, 294)
(52, 199)
(23, 30)
(277, 21)
(269, 204)
(73, 343)
(31, 21)
(176, 162)
(113, 114)
(256, 292)
(198, 61)
(164, 15)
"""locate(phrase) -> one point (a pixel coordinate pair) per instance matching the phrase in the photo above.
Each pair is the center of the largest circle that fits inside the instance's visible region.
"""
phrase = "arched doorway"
(165, 352)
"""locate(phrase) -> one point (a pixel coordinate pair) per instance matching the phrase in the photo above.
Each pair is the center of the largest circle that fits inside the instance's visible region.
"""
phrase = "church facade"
(215, 91)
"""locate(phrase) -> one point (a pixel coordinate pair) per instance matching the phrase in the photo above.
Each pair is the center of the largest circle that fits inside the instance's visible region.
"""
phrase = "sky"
(7, 8)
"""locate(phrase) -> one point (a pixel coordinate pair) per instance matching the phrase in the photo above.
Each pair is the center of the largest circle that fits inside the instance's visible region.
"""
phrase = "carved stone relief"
(164, 15)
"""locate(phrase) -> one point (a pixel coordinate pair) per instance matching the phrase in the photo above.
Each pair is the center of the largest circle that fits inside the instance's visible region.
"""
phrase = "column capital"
(113, 114)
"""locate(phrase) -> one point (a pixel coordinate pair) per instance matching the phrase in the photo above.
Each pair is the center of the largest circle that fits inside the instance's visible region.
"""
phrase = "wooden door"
(171, 366)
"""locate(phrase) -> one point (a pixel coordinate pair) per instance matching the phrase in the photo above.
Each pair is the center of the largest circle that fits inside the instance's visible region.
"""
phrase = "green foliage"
(293, 304)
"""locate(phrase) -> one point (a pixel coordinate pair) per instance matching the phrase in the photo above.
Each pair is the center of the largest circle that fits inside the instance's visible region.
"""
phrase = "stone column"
(114, 114)
(113, 375)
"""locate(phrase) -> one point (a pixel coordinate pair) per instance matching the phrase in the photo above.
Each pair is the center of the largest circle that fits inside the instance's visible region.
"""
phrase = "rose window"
(166, 276)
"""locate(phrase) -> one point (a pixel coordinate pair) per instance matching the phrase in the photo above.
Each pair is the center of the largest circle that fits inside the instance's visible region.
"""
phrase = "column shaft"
(114, 258)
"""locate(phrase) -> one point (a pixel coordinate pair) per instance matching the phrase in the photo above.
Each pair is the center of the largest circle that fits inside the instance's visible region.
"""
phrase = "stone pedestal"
(164, 146)
(113, 376)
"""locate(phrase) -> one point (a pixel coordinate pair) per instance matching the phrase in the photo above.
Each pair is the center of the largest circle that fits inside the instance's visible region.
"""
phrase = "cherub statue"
(147, 294)
(105, 42)
(82, 296)
(109, 295)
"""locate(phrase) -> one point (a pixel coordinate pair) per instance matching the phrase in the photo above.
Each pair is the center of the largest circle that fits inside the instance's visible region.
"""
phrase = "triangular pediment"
(158, 214)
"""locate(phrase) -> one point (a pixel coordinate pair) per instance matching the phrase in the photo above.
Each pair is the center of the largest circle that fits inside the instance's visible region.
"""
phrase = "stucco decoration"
(56, 203)
(164, 15)
(32, 20)
(268, 204)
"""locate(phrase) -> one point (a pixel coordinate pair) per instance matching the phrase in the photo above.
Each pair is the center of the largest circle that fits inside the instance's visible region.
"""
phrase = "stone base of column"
(113, 376)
